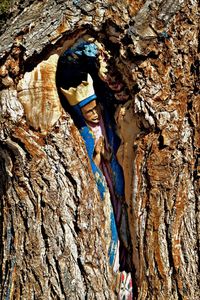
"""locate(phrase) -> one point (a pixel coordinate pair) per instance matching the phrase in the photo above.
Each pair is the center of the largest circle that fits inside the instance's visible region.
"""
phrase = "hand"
(107, 153)
(99, 147)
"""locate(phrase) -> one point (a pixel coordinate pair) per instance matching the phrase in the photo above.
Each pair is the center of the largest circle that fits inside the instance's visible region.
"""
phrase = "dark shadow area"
(72, 71)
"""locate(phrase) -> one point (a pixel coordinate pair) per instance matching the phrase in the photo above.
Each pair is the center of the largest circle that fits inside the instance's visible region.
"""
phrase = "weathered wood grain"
(53, 223)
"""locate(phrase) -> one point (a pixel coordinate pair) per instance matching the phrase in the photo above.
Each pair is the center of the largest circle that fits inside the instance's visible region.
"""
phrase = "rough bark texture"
(53, 224)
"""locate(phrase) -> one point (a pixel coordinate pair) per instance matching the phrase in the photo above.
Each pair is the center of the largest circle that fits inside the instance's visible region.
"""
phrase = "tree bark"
(54, 230)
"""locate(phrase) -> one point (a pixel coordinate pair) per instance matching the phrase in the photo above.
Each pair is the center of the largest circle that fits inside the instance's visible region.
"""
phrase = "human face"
(91, 112)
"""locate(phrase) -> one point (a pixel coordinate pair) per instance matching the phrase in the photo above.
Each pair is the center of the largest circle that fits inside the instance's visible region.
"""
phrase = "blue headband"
(87, 100)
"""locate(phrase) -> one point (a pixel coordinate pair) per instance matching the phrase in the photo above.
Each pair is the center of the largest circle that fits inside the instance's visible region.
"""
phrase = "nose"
(95, 113)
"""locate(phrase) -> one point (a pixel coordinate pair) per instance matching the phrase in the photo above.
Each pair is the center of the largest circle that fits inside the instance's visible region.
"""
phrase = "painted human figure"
(92, 115)
(108, 173)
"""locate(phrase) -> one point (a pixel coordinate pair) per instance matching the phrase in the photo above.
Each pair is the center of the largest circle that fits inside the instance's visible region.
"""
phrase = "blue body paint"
(74, 56)
(117, 174)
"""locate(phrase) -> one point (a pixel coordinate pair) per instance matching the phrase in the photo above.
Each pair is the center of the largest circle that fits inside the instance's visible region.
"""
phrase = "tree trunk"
(54, 225)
